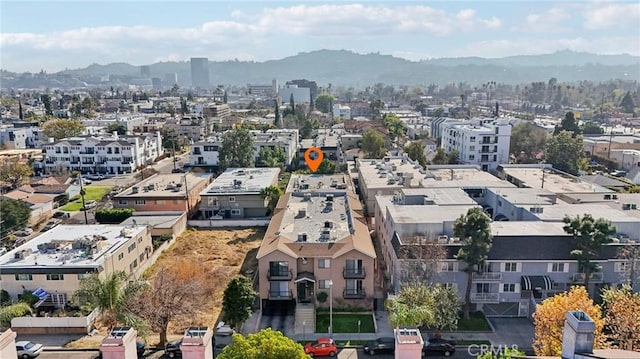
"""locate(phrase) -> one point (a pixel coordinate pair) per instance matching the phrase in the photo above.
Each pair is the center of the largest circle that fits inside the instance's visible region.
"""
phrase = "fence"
(217, 223)
(54, 325)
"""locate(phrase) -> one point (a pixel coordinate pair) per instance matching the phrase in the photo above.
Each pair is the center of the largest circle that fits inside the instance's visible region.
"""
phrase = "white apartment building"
(300, 94)
(483, 141)
(104, 154)
(21, 137)
(130, 121)
(341, 111)
(206, 153)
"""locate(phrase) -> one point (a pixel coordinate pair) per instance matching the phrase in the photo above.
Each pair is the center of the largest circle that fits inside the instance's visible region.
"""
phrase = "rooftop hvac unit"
(443, 238)
(302, 237)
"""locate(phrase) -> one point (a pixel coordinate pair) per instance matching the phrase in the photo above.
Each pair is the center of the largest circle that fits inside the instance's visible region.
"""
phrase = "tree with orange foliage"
(173, 291)
(550, 316)
(622, 308)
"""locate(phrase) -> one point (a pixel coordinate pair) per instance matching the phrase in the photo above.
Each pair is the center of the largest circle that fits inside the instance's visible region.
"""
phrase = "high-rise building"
(170, 79)
(156, 82)
(304, 83)
(145, 71)
(200, 72)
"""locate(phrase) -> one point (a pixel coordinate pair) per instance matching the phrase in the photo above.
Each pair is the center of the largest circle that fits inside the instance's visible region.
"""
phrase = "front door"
(302, 291)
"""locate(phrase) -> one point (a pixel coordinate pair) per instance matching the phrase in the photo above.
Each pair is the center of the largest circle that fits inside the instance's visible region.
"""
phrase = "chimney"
(120, 344)
(409, 343)
(115, 134)
(577, 337)
(197, 343)
(8, 344)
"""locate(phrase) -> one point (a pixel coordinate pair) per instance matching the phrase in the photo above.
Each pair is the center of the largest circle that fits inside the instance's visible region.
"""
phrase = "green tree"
(589, 235)
(277, 121)
(266, 343)
(236, 149)
(419, 305)
(119, 128)
(14, 213)
(20, 113)
(441, 157)
(376, 107)
(172, 139)
(506, 353)
(292, 105)
(88, 105)
(373, 144)
(14, 173)
(272, 157)
(397, 128)
(568, 123)
(627, 103)
(324, 102)
(13, 311)
(46, 101)
(272, 195)
(474, 232)
(237, 301)
(452, 157)
(564, 152)
(184, 108)
(592, 128)
(327, 167)
(308, 126)
(527, 141)
(415, 151)
(113, 296)
(58, 128)
(621, 308)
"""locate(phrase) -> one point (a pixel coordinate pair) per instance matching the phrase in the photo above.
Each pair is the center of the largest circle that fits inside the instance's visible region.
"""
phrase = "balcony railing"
(487, 277)
(280, 294)
(353, 293)
(354, 273)
(485, 297)
(593, 277)
(279, 275)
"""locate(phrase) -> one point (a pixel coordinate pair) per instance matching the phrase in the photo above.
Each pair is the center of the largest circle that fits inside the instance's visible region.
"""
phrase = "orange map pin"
(313, 157)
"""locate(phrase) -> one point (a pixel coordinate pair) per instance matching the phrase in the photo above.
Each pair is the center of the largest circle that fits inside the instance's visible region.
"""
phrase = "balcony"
(353, 293)
(487, 277)
(279, 275)
(353, 273)
(597, 277)
(485, 297)
(280, 295)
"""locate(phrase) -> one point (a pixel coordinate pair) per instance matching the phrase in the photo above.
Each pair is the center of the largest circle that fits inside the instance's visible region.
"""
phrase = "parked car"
(95, 177)
(3, 250)
(89, 205)
(321, 347)
(140, 349)
(52, 223)
(380, 345)
(177, 170)
(27, 350)
(439, 339)
(172, 350)
(60, 214)
(23, 232)
(438, 348)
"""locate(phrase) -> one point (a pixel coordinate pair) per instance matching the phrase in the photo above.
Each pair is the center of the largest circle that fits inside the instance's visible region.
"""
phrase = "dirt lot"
(223, 252)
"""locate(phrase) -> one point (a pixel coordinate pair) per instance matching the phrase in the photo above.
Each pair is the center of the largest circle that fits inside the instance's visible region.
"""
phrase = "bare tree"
(420, 257)
(630, 270)
(174, 291)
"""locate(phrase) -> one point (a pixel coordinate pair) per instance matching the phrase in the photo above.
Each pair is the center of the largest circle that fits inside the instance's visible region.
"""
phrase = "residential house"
(56, 261)
(235, 194)
(41, 204)
(164, 192)
(160, 224)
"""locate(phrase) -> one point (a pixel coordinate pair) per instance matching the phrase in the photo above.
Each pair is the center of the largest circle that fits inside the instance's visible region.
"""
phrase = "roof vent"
(302, 237)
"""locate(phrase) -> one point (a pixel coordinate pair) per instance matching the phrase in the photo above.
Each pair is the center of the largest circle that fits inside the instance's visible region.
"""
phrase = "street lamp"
(304, 330)
(358, 330)
(330, 309)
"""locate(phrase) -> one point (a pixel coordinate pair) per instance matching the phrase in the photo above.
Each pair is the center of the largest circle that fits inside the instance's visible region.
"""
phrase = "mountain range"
(342, 67)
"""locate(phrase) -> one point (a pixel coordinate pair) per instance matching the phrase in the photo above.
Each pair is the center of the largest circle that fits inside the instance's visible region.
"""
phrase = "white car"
(26, 231)
(28, 350)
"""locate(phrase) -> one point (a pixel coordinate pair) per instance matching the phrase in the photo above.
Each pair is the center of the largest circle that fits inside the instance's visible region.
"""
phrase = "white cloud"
(548, 21)
(602, 15)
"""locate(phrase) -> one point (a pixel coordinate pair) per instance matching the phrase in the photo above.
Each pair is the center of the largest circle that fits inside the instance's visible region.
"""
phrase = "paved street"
(69, 354)
(359, 354)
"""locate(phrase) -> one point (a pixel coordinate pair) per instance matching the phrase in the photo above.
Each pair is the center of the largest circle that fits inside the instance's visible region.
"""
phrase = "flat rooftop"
(437, 196)
(516, 196)
(428, 213)
(553, 181)
(459, 174)
(69, 246)
(527, 228)
(322, 218)
(165, 185)
(242, 181)
(390, 172)
(318, 183)
(160, 220)
(557, 212)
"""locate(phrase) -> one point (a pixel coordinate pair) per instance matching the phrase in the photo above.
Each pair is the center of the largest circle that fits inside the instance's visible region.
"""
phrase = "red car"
(322, 347)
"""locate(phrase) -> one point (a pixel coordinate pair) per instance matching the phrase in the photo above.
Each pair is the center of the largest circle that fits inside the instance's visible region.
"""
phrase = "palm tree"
(272, 194)
(112, 296)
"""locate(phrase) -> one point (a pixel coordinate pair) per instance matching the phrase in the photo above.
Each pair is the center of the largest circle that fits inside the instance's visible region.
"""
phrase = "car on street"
(27, 350)
(89, 205)
(438, 348)
(321, 347)
(140, 349)
(23, 232)
(52, 223)
(177, 170)
(60, 214)
(380, 346)
(95, 177)
(172, 349)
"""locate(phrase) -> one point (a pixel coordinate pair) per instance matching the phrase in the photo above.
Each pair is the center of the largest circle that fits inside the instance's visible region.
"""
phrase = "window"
(82, 276)
(323, 284)
(24, 277)
(141, 258)
(279, 269)
(483, 288)
(140, 201)
(132, 246)
(55, 277)
(120, 256)
(123, 201)
(232, 199)
(472, 148)
(622, 267)
(235, 212)
(509, 287)
(453, 286)
(558, 267)
(159, 201)
(133, 265)
(472, 139)
(447, 266)
(471, 157)
(511, 267)
(324, 263)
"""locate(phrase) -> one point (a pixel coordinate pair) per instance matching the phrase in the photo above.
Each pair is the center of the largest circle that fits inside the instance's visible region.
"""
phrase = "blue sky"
(54, 35)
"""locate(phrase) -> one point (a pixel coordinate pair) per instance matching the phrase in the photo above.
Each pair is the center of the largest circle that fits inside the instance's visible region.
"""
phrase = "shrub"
(5, 298)
(13, 311)
(322, 297)
(113, 215)
(28, 298)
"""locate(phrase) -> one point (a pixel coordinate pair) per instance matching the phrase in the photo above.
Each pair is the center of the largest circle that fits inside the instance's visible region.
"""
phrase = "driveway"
(512, 331)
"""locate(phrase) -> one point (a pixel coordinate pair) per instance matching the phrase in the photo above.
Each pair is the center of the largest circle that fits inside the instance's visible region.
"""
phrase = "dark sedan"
(438, 349)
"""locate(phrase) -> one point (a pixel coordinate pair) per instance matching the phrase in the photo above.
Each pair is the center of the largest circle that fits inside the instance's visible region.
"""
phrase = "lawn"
(345, 323)
(92, 193)
(476, 323)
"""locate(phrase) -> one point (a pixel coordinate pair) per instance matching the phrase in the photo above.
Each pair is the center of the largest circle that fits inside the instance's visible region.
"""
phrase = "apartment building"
(164, 192)
(56, 261)
(195, 128)
(12, 138)
(341, 111)
(300, 94)
(220, 110)
(205, 153)
(235, 194)
(317, 241)
(113, 154)
(129, 121)
(327, 140)
(484, 142)
(256, 89)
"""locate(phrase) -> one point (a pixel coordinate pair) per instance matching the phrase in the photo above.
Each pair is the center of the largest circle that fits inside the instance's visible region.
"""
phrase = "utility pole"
(82, 193)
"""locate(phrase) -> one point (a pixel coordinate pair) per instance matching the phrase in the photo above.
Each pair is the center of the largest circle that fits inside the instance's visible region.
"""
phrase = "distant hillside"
(341, 67)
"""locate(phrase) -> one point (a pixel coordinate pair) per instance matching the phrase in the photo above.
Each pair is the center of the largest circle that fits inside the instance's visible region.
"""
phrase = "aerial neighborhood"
(156, 213)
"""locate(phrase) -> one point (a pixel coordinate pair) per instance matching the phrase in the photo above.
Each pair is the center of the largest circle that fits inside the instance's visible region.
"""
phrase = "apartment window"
(471, 157)
(558, 267)
(509, 287)
(140, 201)
(55, 276)
(235, 212)
(622, 267)
(472, 148)
(483, 288)
(279, 269)
(472, 139)
(132, 246)
(324, 263)
(120, 256)
(133, 265)
(232, 199)
(511, 267)
(123, 201)
(453, 286)
(323, 284)
(24, 277)
(82, 276)
(141, 258)
(447, 266)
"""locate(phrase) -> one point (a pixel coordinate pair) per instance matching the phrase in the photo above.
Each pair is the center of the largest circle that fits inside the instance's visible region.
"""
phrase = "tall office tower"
(170, 79)
(145, 71)
(200, 72)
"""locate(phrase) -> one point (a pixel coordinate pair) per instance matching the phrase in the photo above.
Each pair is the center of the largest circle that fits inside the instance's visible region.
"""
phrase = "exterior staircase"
(305, 318)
